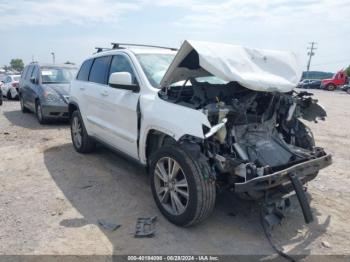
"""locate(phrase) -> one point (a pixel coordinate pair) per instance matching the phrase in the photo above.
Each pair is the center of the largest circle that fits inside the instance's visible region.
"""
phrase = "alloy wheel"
(171, 185)
(77, 132)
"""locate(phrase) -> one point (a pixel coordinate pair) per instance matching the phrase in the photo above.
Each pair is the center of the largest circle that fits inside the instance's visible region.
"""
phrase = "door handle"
(104, 93)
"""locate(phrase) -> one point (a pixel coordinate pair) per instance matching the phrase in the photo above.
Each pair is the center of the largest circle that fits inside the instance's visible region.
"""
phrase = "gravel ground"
(51, 198)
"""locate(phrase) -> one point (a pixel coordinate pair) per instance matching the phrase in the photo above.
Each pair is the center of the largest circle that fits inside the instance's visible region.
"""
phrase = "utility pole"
(310, 53)
(53, 57)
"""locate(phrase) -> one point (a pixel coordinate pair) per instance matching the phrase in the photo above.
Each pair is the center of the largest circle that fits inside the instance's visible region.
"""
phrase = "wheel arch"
(72, 106)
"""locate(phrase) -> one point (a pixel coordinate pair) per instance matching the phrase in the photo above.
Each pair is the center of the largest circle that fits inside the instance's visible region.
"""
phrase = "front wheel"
(82, 142)
(348, 91)
(39, 113)
(181, 186)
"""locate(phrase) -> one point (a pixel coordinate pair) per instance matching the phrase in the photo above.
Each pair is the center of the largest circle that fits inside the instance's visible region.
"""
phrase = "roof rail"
(101, 49)
(118, 46)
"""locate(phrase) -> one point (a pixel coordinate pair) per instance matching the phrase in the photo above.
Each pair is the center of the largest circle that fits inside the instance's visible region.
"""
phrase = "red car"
(339, 79)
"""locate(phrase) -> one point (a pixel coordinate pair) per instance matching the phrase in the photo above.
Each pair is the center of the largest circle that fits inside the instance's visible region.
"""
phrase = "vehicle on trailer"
(10, 86)
(339, 79)
(202, 119)
(44, 90)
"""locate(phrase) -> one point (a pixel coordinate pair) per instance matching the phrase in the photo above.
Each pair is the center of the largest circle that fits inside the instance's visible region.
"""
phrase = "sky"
(72, 28)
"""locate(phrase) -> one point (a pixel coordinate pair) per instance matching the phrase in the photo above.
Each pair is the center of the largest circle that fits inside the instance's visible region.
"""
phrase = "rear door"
(118, 109)
(93, 98)
(25, 86)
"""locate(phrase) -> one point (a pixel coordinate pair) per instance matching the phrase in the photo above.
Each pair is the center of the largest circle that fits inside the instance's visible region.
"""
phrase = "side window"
(84, 71)
(99, 70)
(35, 72)
(29, 72)
(120, 63)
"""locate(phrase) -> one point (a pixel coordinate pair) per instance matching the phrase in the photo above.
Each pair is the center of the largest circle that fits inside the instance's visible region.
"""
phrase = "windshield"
(155, 66)
(56, 75)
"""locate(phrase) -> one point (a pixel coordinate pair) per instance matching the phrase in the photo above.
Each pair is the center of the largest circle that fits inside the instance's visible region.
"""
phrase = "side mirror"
(33, 80)
(122, 80)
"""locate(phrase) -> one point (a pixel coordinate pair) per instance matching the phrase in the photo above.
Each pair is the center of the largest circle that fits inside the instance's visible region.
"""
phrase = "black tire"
(39, 113)
(331, 87)
(87, 144)
(23, 108)
(0, 100)
(348, 91)
(9, 95)
(201, 188)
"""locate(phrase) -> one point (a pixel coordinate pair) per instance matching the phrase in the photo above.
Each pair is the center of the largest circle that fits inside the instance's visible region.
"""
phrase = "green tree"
(17, 64)
(347, 70)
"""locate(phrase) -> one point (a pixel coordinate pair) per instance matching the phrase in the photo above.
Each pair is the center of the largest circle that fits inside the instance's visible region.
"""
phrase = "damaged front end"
(256, 144)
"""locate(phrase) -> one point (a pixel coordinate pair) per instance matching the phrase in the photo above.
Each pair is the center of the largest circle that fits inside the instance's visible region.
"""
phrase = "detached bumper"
(304, 171)
(55, 111)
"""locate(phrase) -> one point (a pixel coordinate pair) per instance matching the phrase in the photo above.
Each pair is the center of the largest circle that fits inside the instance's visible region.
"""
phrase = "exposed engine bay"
(252, 133)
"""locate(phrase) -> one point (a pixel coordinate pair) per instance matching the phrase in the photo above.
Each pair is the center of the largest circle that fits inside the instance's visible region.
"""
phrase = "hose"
(269, 238)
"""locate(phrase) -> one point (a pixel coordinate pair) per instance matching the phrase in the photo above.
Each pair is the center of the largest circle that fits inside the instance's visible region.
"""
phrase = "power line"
(335, 62)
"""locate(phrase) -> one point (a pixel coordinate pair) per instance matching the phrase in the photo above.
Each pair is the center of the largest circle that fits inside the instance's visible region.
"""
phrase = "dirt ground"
(51, 198)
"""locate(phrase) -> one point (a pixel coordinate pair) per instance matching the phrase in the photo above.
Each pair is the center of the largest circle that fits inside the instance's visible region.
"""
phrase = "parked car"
(346, 88)
(200, 123)
(44, 90)
(338, 80)
(10, 86)
(309, 84)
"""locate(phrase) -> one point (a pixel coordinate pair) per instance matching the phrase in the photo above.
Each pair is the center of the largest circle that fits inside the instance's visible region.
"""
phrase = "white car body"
(10, 85)
(210, 115)
(110, 114)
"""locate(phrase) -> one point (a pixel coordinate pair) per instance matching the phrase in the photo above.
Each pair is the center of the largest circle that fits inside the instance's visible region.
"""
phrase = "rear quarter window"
(84, 71)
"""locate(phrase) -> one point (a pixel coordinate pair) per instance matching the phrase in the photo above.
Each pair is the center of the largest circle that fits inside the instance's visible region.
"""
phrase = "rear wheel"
(23, 108)
(331, 87)
(181, 186)
(82, 142)
(9, 95)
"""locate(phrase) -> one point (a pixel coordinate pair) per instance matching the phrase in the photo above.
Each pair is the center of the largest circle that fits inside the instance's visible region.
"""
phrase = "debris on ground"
(107, 225)
(326, 244)
(145, 227)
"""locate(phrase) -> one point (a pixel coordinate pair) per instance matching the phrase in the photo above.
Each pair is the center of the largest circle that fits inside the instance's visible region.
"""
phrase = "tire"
(39, 113)
(200, 189)
(331, 87)
(23, 108)
(348, 91)
(304, 137)
(9, 95)
(86, 144)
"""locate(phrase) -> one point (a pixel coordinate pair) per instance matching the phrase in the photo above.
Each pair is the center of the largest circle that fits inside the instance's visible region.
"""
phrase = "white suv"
(204, 118)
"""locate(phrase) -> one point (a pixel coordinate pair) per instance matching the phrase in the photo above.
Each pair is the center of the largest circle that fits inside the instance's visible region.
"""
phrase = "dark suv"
(44, 90)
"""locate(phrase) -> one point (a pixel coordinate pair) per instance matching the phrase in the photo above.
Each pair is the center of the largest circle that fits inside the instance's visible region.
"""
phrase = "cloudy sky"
(72, 28)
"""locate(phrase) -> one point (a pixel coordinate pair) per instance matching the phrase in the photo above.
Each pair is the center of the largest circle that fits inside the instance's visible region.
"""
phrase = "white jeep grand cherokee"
(207, 117)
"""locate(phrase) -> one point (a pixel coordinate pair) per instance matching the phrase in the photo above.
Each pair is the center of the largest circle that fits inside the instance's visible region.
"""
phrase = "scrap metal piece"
(274, 211)
(145, 227)
(107, 225)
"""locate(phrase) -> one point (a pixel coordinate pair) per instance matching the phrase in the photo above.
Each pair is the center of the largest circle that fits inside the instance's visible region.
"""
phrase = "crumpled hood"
(61, 89)
(256, 69)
